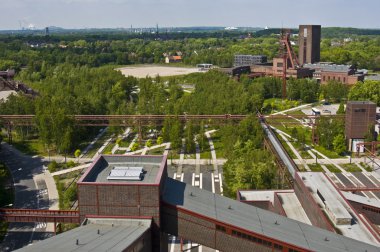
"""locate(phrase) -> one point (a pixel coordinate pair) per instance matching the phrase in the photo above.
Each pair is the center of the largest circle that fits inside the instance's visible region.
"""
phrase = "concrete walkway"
(181, 158)
(295, 151)
(123, 136)
(91, 145)
(81, 167)
(293, 109)
(212, 148)
(103, 147)
(51, 191)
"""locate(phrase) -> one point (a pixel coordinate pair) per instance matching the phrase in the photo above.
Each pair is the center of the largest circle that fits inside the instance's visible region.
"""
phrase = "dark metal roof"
(115, 236)
(258, 221)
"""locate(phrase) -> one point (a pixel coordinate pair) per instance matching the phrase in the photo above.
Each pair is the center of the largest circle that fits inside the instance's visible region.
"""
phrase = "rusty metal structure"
(288, 56)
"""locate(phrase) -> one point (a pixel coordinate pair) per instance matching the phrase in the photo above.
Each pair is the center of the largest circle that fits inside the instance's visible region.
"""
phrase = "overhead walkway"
(279, 149)
(32, 215)
(228, 225)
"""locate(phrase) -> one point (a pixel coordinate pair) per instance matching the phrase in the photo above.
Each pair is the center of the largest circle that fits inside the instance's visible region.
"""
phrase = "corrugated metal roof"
(258, 221)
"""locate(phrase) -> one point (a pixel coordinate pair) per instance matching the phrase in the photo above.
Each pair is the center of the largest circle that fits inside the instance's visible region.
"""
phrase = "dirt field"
(152, 71)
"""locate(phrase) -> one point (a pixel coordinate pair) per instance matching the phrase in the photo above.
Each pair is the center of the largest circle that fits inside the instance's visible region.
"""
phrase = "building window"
(221, 228)
(344, 79)
(280, 64)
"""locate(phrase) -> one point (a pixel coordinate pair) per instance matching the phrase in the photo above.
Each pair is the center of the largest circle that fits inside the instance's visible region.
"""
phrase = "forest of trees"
(75, 75)
(94, 50)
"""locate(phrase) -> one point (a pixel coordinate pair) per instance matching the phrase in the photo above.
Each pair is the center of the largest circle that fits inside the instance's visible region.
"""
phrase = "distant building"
(173, 59)
(205, 67)
(249, 60)
(309, 41)
(325, 72)
(359, 116)
(326, 203)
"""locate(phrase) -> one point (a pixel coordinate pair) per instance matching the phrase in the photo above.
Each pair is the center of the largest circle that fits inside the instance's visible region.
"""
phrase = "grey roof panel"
(110, 238)
(258, 221)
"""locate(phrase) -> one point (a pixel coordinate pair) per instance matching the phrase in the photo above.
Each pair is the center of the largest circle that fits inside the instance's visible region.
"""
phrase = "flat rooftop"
(104, 169)
(256, 220)
(318, 185)
(114, 235)
(362, 200)
(260, 195)
(293, 208)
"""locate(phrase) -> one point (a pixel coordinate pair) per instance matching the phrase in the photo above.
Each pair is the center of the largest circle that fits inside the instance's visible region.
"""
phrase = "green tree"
(160, 140)
(341, 109)
(149, 143)
(335, 91)
(339, 144)
(77, 153)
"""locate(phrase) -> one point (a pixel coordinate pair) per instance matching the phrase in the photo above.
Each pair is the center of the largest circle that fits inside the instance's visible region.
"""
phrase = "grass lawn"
(328, 153)
(206, 154)
(333, 168)
(108, 149)
(286, 147)
(295, 112)
(30, 147)
(119, 152)
(218, 145)
(316, 168)
(98, 144)
(366, 167)
(157, 151)
(351, 168)
(126, 142)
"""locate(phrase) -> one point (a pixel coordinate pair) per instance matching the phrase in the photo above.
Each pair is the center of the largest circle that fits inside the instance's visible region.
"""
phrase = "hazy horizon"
(78, 14)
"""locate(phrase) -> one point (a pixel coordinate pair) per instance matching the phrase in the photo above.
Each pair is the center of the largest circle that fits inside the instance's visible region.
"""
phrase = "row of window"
(333, 78)
(371, 209)
(253, 239)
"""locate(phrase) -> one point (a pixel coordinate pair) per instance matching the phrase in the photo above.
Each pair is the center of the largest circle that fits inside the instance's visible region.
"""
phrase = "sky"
(180, 13)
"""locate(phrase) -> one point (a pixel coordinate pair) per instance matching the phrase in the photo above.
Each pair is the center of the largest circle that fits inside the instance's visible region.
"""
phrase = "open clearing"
(143, 71)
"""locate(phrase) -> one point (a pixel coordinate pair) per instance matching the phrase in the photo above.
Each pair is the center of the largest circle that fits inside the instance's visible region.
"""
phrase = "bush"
(71, 164)
(53, 166)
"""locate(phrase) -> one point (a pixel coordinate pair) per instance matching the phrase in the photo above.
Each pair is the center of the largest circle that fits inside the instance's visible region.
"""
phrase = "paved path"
(293, 109)
(91, 145)
(103, 147)
(122, 137)
(81, 167)
(212, 148)
(295, 151)
(31, 191)
(181, 159)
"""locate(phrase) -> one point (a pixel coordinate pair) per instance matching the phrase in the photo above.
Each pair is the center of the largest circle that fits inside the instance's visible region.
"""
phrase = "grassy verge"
(286, 147)
(157, 151)
(366, 167)
(327, 153)
(67, 191)
(351, 168)
(316, 168)
(30, 147)
(126, 142)
(6, 195)
(218, 145)
(333, 168)
(108, 149)
(98, 144)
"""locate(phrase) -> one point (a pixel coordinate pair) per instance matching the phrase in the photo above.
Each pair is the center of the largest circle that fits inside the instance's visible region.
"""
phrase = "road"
(28, 194)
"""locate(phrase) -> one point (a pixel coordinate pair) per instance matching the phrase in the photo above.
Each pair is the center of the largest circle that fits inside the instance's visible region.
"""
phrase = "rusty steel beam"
(34, 215)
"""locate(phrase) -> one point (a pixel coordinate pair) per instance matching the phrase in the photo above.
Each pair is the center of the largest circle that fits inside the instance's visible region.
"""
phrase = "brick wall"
(228, 243)
(312, 209)
(119, 200)
(371, 213)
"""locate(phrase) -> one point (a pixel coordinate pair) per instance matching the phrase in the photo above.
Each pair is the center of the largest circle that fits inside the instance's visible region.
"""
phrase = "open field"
(143, 71)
